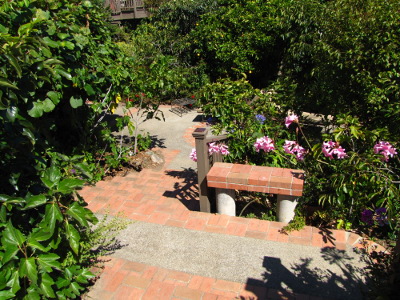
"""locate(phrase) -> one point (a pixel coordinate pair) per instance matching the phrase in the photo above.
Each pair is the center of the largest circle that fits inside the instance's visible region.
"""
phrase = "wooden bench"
(286, 183)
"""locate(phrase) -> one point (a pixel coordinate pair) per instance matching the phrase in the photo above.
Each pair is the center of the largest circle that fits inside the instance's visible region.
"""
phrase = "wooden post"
(203, 166)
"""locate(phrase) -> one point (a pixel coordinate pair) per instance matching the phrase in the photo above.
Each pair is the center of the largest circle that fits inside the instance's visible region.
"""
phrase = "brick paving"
(170, 198)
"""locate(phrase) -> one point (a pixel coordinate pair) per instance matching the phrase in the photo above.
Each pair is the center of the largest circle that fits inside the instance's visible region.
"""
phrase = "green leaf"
(3, 214)
(73, 237)
(62, 282)
(4, 198)
(13, 61)
(28, 133)
(68, 185)
(35, 201)
(10, 252)
(6, 295)
(49, 262)
(52, 215)
(48, 105)
(46, 284)
(3, 29)
(75, 103)
(12, 113)
(63, 73)
(42, 15)
(84, 169)
(27, 267)
(54, 96)
(63, 36)
(87, 274)
(25, 29)
(89, 90)
(49, 42)
(53, 61)
(32, 293)
(36, 245)
(13, 283)
(12, 237)
(51, 176)
(78, 213)
(37, 110)
(68, 44)
(40, 234)
(5, 83)
(76, 288)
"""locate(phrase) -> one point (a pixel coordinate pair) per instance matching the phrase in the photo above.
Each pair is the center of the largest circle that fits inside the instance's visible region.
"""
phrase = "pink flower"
(333, 150)
(288, 146)
(291, 119)
(264, 143)
(386, 149)
(216, 148)
(339, 152)
(193, 155)
(213, 148)
(292, 147)
(224, 149)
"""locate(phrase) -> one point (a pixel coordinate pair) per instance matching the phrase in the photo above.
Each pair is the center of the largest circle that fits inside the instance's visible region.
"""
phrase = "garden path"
(173, 251)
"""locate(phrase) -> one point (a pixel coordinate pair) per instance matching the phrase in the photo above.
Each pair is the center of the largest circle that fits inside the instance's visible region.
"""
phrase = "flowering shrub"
(344, 171)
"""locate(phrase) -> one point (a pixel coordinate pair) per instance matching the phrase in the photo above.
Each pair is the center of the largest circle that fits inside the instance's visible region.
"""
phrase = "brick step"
(123, 279)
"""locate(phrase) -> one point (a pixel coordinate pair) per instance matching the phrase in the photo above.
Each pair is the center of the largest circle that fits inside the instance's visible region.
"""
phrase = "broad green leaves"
(51, 176)
(35, 201)
(12, 237)
(27, 268)
(50, 63)
(73, 237)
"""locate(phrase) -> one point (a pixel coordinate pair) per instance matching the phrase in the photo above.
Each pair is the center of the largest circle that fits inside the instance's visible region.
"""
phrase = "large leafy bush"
(55, 56)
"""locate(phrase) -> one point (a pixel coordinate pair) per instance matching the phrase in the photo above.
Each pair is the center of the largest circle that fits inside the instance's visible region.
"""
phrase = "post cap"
(199, 132)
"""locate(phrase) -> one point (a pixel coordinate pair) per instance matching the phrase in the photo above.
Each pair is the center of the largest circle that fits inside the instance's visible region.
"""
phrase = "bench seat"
(261, 179)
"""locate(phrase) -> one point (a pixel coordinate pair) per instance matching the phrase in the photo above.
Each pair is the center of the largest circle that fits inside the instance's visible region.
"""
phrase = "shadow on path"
(185, 190)
(346, 283)
(156, 142)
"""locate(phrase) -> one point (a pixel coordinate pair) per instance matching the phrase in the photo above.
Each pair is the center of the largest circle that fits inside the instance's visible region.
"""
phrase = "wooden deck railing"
(126, 9)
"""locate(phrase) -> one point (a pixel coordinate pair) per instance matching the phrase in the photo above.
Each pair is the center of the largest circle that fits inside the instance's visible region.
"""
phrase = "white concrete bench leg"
(286, 205)
(225, 201)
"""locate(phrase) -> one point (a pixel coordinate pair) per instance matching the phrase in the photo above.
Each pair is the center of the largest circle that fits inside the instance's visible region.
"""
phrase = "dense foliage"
(338, 59)
(55, 56)
(250, 63)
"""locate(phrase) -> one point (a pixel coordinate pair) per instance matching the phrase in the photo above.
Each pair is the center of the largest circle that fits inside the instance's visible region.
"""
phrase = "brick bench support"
(286, 183)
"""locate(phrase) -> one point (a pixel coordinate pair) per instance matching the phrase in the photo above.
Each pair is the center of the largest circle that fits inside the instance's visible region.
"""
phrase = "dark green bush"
(52, 65)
